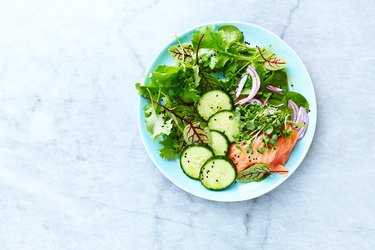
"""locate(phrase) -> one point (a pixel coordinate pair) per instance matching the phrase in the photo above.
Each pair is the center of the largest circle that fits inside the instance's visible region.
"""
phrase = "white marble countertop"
(75, 175)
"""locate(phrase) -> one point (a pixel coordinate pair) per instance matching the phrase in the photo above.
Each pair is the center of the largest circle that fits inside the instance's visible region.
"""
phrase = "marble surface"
(75, 175)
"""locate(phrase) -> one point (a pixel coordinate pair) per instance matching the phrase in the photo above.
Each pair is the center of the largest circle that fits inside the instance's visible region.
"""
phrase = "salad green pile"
(217, 59)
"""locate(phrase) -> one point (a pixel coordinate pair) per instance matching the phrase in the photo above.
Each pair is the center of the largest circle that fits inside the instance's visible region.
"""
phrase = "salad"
(225, 108)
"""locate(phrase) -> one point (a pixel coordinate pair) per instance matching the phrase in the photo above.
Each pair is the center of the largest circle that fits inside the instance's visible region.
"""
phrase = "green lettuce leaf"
(231, 33)
(155, 120)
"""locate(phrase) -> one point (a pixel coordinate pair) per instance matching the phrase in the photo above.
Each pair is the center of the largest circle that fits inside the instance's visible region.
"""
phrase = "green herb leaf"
(212, 39)
(171, 147)
(278, 79)
(299, 99)
(184, 53)
(275, 63)
(256, 172)
(155, 120)
(231, 33)
(194, 133)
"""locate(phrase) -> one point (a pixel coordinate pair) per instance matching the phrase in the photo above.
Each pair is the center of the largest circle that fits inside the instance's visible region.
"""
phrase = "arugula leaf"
(256, 172)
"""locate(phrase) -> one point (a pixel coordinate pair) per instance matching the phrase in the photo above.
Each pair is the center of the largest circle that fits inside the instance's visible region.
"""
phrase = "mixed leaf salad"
(225, 108)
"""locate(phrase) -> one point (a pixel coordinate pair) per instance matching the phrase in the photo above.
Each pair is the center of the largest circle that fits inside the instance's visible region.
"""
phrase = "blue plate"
(297, 75)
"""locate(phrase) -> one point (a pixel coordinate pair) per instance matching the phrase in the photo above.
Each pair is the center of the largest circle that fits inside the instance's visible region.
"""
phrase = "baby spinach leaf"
(299, 99)
(278, 79)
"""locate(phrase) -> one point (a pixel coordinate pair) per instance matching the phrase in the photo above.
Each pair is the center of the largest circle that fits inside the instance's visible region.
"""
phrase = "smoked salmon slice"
(276, 158)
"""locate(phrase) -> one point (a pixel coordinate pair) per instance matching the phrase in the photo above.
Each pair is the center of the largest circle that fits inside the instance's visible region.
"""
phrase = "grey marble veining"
(74, 173)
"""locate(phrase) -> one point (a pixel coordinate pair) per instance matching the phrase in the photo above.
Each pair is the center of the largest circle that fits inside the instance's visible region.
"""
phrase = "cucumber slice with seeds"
(192, 159)
(225, 121)
(219, 142)
(217, 173)
(212, 102)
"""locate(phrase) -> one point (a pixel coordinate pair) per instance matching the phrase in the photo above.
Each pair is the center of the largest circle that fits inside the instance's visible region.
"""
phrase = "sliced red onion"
(255, 87)
(274, 89)
(299, 115)
(293, 106)
(304, 120)
(241, 84)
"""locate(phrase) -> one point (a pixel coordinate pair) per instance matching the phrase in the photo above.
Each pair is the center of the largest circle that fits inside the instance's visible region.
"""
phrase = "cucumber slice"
(219, 142)
(225, 121)
(217, 173)
(212, 102)
(192, 159)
